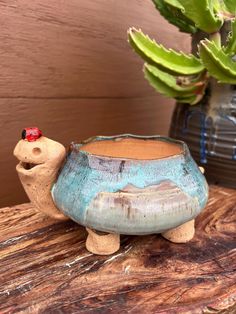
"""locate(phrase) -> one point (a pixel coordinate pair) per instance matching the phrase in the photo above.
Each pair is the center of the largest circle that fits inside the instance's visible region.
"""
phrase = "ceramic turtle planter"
(123, 184)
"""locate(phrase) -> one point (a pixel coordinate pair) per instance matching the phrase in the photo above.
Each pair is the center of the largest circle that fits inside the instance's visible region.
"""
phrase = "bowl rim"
(76, 147)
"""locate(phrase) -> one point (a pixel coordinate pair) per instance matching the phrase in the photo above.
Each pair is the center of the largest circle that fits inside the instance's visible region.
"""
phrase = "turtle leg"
(181, 234)
(102, 243)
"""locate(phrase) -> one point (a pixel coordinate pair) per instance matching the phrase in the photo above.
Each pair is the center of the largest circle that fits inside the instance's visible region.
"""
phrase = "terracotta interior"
(133, 148)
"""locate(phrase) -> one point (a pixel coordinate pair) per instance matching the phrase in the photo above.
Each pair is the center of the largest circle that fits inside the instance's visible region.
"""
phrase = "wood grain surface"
(66, 67)
(45, 267)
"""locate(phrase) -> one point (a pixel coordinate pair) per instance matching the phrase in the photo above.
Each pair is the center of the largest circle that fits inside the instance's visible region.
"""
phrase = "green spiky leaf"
(217, 5)
(231, 6)
(166, 85)
(168, 60)
(202, 14)
(231, 44)
(174, 15)
(219, 65)
(192, 100)
(231, 41)
(174, 3)
(170, 80)
(222, 10)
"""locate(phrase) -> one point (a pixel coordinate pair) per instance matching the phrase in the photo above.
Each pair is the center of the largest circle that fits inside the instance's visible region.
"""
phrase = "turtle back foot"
(181, 234)
(102, 243)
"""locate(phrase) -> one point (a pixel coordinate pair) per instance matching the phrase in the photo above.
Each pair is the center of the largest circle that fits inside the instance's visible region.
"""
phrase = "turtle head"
(39, 162)
(35, 151)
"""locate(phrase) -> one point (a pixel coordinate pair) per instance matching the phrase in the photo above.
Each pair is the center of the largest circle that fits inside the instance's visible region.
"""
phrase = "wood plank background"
(66, 67)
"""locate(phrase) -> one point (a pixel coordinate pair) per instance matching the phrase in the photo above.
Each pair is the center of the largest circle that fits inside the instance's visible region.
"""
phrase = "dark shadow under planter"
(209, 129)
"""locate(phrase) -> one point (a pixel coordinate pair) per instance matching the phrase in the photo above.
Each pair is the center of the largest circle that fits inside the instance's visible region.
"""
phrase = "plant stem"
(216, 37)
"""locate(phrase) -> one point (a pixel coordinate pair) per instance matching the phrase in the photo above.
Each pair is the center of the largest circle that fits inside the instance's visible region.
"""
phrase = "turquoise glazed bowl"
(130, 195)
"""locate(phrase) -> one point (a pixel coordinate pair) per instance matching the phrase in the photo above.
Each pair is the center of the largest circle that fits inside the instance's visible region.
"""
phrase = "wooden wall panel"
(66, 67)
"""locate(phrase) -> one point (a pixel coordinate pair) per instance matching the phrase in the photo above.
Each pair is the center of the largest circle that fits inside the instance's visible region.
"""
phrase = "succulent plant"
(185, 76)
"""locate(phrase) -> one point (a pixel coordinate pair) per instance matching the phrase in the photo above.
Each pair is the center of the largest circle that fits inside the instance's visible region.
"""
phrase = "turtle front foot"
(181, 234)
(102, 243)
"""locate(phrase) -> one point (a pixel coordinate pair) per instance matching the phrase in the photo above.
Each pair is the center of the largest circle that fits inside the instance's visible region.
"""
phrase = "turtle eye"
(31, 134)
(23, 134)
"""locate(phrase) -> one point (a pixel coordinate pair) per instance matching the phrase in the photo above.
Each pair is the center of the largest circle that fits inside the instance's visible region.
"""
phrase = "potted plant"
(203, 82)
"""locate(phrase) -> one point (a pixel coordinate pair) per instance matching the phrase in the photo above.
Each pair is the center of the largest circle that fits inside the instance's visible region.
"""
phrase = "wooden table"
(45, 268)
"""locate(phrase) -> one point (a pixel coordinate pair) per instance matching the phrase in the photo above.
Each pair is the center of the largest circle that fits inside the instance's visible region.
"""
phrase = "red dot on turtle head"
(31, 134)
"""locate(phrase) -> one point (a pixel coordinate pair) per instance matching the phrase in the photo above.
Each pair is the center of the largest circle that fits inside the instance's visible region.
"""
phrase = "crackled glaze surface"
(130, 196)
